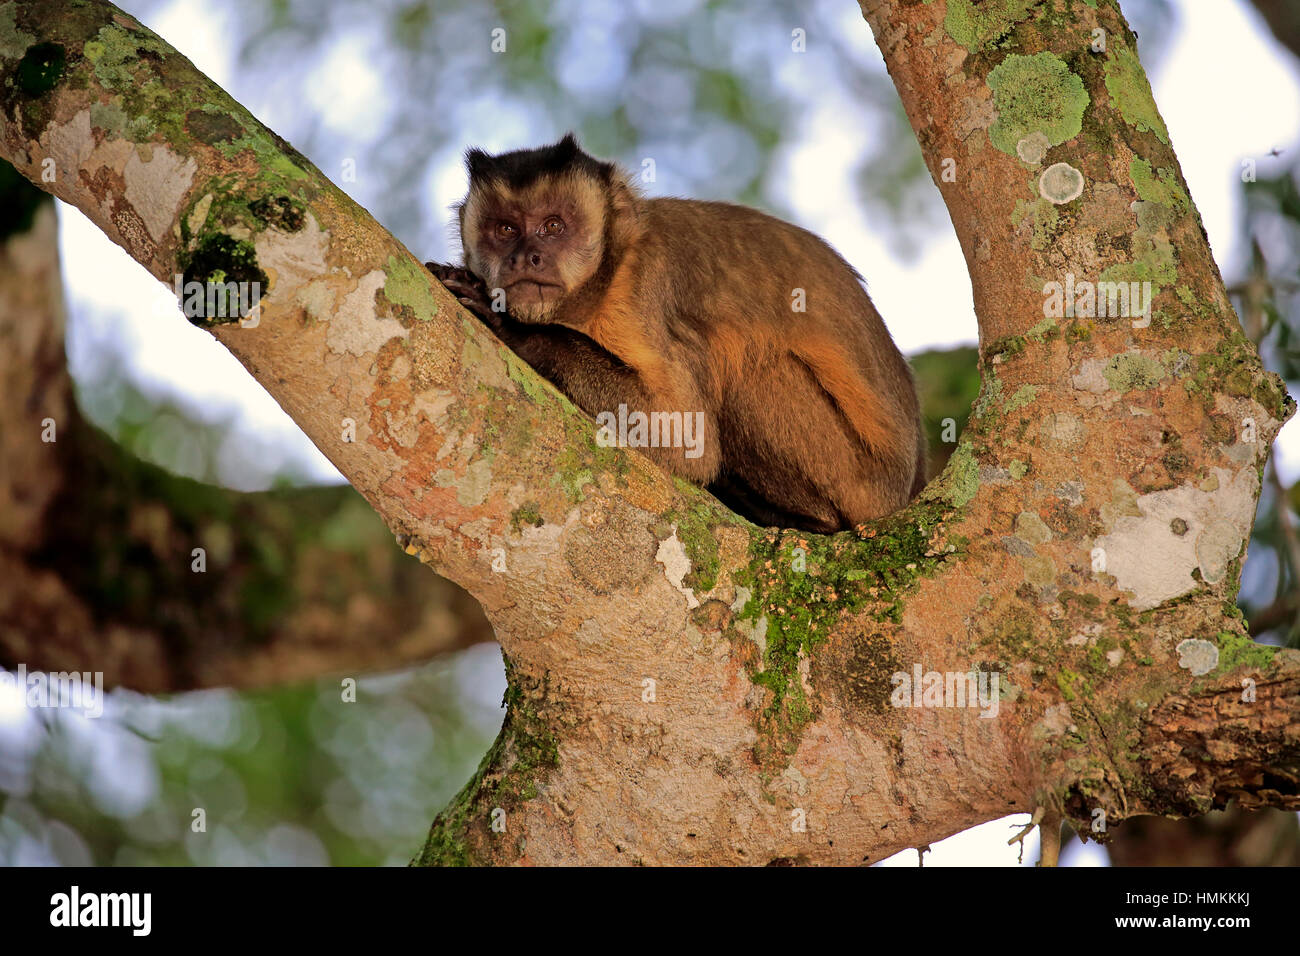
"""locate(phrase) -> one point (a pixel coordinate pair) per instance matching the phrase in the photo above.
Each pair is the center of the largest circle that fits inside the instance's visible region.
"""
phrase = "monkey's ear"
(624, 208)
(478, 164)
(567, 148)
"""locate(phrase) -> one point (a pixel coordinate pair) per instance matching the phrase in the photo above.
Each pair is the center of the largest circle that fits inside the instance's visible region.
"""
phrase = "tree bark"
(685, 687)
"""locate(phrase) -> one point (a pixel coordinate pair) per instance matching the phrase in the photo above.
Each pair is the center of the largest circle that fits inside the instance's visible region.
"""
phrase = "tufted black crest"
(521, 167)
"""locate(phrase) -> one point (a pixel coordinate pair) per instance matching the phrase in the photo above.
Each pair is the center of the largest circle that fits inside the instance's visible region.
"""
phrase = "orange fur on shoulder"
(617, 327)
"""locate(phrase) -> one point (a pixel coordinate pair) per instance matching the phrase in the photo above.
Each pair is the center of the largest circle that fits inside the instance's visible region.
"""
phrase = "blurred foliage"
(1267, 298)
(705, 88)
(947, 381)
(187, 440)
(708, 89)
(294, 775)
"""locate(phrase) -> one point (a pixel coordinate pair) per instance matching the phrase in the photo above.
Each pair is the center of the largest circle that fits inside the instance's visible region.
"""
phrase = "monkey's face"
(538, 224)
(538, 243)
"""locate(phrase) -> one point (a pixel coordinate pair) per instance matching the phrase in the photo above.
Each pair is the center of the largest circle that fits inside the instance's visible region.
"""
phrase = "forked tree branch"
(685, 687)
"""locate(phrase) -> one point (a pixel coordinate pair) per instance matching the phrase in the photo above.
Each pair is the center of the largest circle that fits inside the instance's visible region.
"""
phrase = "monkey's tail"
(881, 426)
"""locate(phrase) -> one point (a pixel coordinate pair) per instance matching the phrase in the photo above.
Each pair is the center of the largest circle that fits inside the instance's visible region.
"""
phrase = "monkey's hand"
(468, 289)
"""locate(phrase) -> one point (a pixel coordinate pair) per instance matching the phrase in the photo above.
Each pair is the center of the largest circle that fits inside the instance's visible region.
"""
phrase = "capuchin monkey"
(750, 326)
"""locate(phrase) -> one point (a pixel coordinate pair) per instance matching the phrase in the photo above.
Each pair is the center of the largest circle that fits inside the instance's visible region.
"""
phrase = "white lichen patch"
(1070, 492)
(1199, 657)
(316, 299)
(1033, 147)
(1254, 428)
(1153, 553)
(293, 259)
(481, 530)
(1056, 720)
(449, 444)
(401, 423)
(486, 361)
(1217, 544)
(1061, 429)
(433, 405)
(69, 144)
(1089, 378)
(797, 781)
(199, 214)
(672, 555)
(1133, 370)
(805, 671)
(1087, 634)
(1060, 183)
(756, 632)
(473, 489)
(1241, 453)
(355, 328)
(156, 185)
(743, 594)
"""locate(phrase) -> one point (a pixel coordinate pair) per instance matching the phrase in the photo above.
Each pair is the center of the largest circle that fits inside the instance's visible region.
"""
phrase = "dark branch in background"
(1220, 838)
(298, 582)
(1283, 18)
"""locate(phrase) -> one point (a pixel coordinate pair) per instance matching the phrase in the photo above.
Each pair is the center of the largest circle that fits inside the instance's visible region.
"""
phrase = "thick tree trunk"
(685, 687)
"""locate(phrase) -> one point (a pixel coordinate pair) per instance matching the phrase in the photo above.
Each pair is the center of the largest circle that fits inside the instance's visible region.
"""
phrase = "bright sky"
(1225, 89)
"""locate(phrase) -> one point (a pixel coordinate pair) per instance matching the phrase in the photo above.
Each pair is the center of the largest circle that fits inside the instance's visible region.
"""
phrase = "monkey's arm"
(599, 381)
(594, 378)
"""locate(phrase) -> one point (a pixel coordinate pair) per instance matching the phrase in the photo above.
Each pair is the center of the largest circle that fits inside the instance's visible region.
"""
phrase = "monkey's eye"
(553, 226)
(506, 231)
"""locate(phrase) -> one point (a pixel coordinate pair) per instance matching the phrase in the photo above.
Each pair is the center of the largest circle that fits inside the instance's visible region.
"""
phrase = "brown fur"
(811, 418)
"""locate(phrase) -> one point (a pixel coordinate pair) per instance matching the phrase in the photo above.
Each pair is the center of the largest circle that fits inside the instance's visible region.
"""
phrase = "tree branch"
(97, 548)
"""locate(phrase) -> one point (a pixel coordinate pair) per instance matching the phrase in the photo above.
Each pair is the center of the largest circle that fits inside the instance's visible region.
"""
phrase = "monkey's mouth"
(532, 288)
(527, 294)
